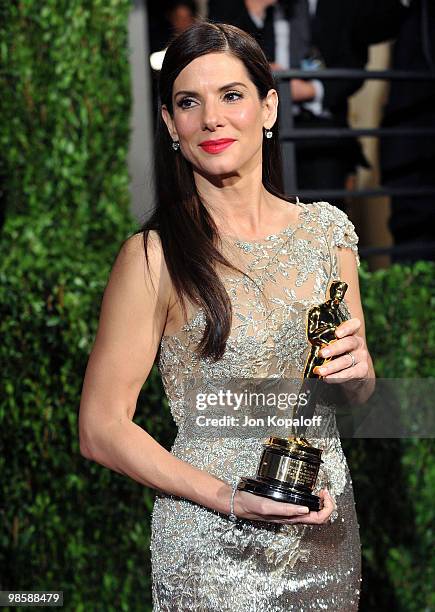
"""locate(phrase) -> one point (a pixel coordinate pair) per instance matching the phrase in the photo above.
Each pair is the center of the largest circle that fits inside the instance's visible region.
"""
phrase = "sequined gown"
(200, 560)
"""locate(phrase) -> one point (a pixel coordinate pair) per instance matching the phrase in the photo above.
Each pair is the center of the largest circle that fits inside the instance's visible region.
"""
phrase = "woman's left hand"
(349, 344)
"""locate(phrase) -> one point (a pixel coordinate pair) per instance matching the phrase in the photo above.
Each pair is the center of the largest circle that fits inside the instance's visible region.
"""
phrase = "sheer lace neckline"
(290, 226)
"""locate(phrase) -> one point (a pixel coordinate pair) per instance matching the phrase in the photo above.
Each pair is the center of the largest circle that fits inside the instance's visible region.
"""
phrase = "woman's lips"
(216, 147)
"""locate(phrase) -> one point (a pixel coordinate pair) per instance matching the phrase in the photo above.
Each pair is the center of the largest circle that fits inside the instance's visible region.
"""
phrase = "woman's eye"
(181, 103)
(233, 93)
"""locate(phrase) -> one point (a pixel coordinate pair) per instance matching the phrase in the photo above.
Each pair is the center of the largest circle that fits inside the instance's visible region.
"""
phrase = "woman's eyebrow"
(195, 93)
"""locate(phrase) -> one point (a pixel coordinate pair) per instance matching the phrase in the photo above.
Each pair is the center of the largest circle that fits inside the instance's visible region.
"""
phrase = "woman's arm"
(132, 320)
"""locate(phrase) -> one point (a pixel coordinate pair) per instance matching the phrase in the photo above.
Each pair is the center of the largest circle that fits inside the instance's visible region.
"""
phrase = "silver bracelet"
(232, 517)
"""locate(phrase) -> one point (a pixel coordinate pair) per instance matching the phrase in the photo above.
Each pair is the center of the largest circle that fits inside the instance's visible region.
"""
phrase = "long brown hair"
(187, 232)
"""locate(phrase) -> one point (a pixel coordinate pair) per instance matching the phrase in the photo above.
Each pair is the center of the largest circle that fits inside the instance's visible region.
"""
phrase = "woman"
(221, 289)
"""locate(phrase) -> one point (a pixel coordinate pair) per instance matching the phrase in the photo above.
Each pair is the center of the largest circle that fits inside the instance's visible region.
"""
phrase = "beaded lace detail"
(289, 272)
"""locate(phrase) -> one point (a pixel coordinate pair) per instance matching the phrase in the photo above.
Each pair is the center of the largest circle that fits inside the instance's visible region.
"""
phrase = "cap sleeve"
(341, 229)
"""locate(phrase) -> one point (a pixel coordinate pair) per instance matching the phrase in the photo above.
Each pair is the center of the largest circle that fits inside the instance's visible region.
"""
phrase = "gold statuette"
(288, 467)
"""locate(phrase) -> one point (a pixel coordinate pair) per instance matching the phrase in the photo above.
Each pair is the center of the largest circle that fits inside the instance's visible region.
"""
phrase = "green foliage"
(73, 525)
(394, 480)
(64, 137)
(399, 309)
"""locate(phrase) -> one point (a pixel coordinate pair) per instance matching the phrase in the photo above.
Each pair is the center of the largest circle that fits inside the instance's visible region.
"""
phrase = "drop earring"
(175, 145)
(268, 133)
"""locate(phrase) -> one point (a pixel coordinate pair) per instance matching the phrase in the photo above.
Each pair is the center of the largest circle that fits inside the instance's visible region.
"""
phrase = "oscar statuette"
(288, 467)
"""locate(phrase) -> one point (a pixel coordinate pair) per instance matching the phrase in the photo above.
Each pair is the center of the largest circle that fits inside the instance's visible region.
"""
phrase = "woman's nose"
(211, 116)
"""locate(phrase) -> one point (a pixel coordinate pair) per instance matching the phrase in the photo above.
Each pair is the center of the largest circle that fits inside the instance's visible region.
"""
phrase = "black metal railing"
(289, 134)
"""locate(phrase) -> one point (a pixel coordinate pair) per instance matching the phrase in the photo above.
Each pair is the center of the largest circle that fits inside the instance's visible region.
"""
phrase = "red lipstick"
(216, 146)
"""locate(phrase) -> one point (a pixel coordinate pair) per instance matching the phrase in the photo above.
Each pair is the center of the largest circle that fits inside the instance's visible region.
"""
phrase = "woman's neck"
(234, 200)
(244, 207)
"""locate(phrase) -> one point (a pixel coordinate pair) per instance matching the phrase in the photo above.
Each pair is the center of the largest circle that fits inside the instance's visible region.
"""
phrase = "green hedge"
(72, 525)
(64, 136)
(394, 480)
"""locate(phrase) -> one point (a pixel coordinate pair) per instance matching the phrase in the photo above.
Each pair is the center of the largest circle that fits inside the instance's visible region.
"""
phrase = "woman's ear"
(166, 115)
(270, 104)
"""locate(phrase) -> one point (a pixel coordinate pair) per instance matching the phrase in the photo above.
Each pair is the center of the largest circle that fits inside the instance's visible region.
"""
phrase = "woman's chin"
(218, 171)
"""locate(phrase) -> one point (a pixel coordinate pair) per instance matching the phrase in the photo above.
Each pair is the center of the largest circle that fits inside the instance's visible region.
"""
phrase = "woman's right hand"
(256, 508)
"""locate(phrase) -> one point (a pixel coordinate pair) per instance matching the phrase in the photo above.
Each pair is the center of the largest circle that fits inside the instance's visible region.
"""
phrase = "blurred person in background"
(181, 14)
(409, 162)
(166, 19)
(307, 35)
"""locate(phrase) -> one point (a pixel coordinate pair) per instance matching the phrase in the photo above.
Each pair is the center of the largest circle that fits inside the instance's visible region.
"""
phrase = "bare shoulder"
(132, 318)
(133, 249)
(149, 269)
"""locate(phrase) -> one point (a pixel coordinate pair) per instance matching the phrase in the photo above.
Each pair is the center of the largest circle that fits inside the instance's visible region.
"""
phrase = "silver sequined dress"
(200, 560)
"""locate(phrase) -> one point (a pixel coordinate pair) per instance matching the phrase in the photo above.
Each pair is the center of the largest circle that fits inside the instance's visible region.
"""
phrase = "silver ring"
(353, 360)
